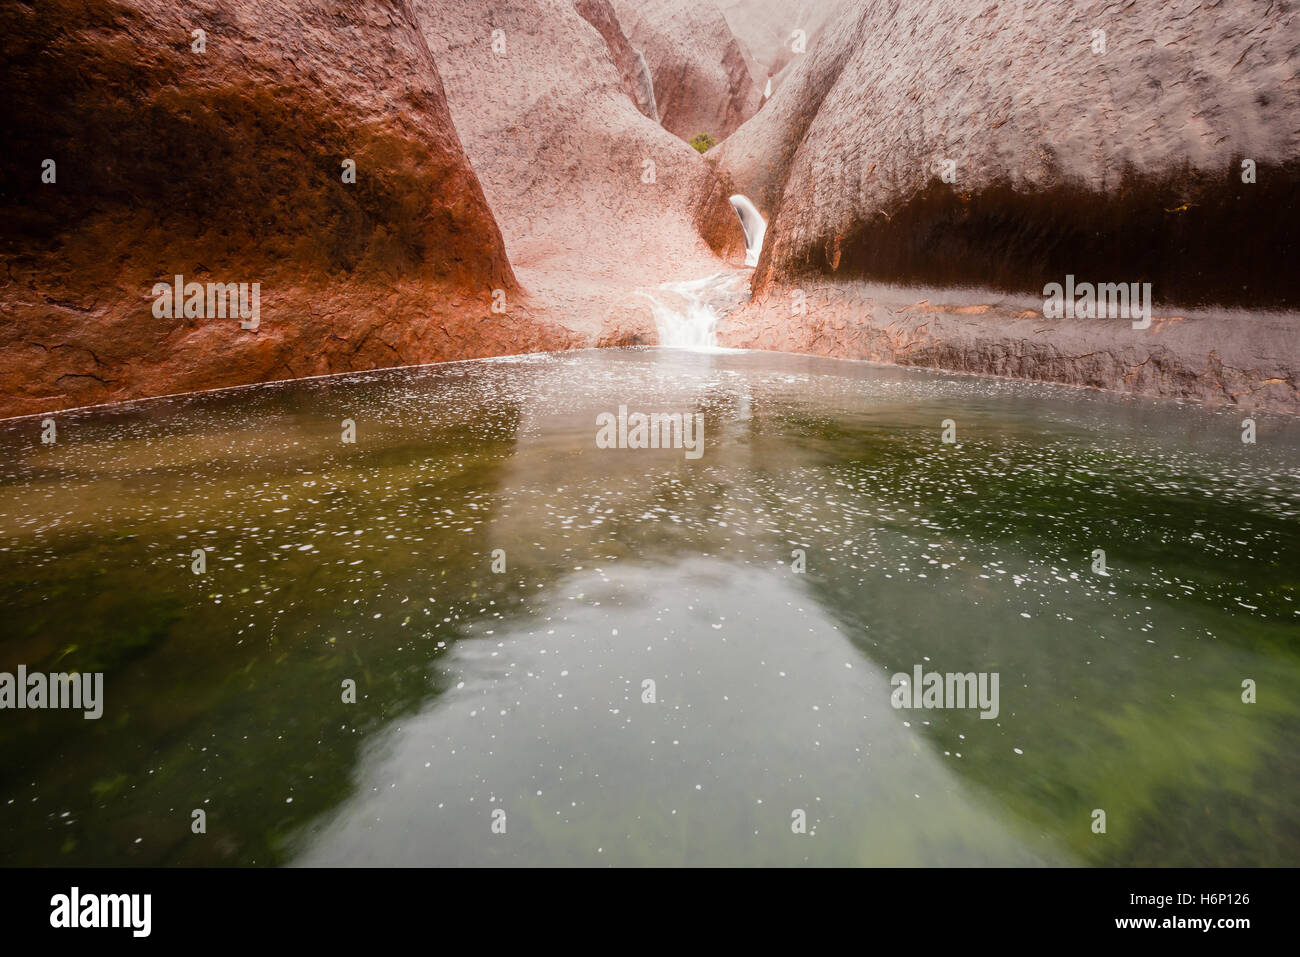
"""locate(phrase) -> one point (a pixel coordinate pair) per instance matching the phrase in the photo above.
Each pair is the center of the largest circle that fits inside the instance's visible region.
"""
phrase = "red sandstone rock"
(225, 166)
(565, 159)
(701, 79)
(1121, 166)
(766, 30)
(628, 322)
(632, 67)
(1216, 356)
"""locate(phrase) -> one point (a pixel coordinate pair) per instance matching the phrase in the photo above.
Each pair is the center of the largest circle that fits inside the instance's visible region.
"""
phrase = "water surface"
(522, 692)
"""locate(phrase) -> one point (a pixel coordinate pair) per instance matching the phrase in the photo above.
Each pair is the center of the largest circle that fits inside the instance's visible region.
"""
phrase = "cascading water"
(686, 313)
(645, 88)
(754, 225)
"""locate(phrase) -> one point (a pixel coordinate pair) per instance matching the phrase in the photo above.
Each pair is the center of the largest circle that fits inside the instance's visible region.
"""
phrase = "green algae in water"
(523, 691)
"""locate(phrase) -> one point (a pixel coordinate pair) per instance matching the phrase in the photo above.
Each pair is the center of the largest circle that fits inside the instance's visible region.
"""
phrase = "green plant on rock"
(702, 142)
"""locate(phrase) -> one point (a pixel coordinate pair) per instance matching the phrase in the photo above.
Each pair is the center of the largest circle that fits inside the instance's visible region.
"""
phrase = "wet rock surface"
(1064, 158)
(594, 199)
(632, 67)
(530, 202)
(766, 30)
(702, 81)
(226, 166)
(1119, 166)
(1217, 356)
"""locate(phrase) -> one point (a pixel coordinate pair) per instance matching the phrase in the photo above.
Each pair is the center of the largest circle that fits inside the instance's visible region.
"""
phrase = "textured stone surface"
(564, 157)
(628, 322)
(765, 29)
(701, 79)
(1121, 166)
(1218, 356)
(225, 166)
(632, 66)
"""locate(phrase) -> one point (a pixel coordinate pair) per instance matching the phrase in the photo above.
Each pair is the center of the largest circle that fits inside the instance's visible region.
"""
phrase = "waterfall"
(645, 89)
(754, 225)
(686, 313)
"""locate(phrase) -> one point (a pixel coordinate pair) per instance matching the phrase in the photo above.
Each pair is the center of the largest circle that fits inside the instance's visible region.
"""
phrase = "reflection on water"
(525, 692)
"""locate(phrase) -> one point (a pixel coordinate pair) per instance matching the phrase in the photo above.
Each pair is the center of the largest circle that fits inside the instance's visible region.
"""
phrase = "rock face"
(1115, 159)
(593, 198)
(1121, 165)
(220, 158)
(702, 81)
(1217, 356)
(916, 142)
(766, 30)
(632, 66)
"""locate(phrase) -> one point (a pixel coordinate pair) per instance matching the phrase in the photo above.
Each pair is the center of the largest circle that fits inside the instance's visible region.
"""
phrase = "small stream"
(686, 313)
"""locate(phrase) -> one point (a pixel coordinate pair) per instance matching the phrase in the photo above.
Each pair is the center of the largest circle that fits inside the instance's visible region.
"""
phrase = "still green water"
(482, 694)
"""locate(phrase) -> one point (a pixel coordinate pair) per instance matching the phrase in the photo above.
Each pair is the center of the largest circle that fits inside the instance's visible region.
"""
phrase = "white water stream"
(686, 313)
(754, 225)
